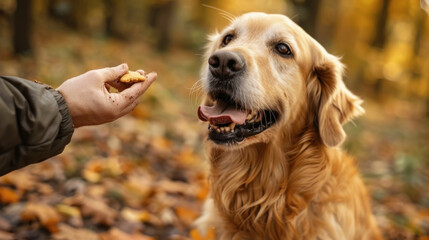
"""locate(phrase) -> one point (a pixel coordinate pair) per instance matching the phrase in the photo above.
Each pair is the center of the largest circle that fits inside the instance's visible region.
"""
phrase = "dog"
(275, 102)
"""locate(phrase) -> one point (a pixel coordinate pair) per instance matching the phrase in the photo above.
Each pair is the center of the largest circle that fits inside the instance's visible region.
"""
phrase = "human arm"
(37, 122)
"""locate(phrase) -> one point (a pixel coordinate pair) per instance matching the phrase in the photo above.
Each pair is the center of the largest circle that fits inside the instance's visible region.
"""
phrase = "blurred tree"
(380, 38)
(161, 18)
(23, 27)
(307, 12)
(380, 31)
(112, 23)
(111, 29)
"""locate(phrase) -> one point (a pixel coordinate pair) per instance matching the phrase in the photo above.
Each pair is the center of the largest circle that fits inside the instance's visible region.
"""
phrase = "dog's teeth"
(259, 117)
(249, 116)
(227, 129)
(217, 130)
(232, 126)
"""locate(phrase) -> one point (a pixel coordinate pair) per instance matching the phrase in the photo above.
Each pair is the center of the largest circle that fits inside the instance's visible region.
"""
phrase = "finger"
(134, 92)
(107, 87)
(114, 73)
(129, 107)
(120, 85)
(141, 72)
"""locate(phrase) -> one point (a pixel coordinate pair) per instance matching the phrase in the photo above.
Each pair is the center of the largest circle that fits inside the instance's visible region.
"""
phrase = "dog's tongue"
(217, 115)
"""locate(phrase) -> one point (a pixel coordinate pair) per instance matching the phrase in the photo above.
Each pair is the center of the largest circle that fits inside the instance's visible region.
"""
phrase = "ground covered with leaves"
(144, 176)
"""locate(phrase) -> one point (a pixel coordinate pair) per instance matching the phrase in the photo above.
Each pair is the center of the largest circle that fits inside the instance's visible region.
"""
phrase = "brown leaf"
(69, 233)
(100, 212)
(116, 234)
(45, 214)
(6, 236)
(22, 180)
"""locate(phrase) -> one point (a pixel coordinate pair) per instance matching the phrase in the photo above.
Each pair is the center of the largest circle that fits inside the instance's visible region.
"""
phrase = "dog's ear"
(334, 103)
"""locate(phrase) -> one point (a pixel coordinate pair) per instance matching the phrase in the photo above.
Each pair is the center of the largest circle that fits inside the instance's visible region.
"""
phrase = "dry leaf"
(69, 233)
(116, 234)
(132, 215)
(187, 215)
(45, 214)
(7, 195)
(97, 209)
(22, 180)
(195, 235)
(72, 213)
(6, 236)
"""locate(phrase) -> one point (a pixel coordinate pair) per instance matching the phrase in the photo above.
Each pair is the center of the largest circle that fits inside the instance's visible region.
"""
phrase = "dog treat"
(132, 77)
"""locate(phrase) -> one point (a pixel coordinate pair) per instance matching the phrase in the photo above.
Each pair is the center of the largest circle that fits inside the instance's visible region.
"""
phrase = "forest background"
(144, 176)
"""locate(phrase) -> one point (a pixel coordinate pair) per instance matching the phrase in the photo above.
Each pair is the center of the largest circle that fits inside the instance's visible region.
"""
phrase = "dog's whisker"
(229, 16)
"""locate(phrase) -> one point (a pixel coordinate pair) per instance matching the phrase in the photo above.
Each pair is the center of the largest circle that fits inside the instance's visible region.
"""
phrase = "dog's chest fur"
(266, 192)
(258, 190)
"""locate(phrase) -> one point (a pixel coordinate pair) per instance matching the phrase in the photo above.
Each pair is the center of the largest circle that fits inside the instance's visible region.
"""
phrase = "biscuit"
(132, 77)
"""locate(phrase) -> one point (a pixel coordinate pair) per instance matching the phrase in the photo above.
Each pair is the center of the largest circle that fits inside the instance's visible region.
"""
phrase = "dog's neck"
(258, 187)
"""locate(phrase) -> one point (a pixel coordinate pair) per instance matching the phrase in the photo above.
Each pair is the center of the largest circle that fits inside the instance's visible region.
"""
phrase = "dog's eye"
(283, 49)
(227, 39)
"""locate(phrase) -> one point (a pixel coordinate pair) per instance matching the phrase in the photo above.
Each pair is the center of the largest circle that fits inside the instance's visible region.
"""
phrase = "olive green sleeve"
(35, 123)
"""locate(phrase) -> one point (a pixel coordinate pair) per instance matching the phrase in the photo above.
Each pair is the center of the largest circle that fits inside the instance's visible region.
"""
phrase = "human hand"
(90, 102)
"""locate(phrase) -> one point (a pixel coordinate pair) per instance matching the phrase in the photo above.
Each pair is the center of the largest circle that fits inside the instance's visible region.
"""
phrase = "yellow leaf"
(97, 209)
(68, 210)
(135, 215)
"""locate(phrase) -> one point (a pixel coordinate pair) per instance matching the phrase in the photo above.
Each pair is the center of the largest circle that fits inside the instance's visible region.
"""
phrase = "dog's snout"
(226, 64)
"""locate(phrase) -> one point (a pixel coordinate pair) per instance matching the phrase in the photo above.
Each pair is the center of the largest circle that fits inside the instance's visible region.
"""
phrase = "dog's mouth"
(229, 123)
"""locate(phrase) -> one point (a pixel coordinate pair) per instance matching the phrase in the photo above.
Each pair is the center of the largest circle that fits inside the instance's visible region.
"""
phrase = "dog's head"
(262, 74)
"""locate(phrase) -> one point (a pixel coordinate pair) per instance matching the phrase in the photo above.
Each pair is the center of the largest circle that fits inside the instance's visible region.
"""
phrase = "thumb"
(114, 73)
(132, 93)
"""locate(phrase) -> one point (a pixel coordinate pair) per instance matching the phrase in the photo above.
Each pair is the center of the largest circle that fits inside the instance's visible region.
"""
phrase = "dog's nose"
(226, 64)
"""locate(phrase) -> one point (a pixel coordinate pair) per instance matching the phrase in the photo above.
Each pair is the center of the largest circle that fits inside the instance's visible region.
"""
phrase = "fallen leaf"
(97, 209)
(7, 195)
(195, 234)
(116, 234)
(187, 215)
(45, 214)
(22, 180)
(6, 236)
(132, 215)
(72, 213)
(69, 233)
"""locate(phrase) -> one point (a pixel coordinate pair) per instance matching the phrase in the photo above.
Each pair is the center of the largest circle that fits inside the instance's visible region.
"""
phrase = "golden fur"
(290, 181)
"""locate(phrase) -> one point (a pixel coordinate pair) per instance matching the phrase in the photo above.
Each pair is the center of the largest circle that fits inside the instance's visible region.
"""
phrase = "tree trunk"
(23, 27)
(307, 13)
(380, 31)
(112, 27)
(161, 18)
(379, 40)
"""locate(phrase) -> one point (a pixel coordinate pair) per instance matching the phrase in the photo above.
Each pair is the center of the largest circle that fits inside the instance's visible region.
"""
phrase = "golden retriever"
(275, 102)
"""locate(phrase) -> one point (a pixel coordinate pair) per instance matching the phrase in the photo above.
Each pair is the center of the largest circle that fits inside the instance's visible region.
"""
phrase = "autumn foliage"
(144, 176)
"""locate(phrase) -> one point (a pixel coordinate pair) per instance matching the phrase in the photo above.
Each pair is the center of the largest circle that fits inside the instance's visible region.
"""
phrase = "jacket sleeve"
(35, 123)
